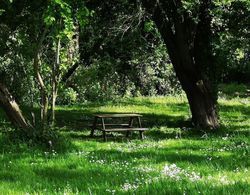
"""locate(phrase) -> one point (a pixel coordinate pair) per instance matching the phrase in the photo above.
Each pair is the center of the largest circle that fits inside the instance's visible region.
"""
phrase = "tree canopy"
(64, 51)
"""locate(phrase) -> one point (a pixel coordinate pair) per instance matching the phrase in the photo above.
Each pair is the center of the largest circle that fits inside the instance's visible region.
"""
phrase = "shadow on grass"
(6, 176)
(230, 109)
(82, 119)
(98, 177)
(149, 103)
(79, 118)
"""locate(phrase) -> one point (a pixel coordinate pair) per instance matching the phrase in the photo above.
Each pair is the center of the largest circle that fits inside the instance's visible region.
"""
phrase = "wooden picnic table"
(127, 127)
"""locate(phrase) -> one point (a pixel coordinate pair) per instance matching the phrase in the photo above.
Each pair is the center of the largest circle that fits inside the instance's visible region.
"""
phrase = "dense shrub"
(67, 96)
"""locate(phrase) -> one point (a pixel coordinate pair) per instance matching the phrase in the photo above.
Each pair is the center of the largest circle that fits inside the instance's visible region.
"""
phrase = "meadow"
(174, 158)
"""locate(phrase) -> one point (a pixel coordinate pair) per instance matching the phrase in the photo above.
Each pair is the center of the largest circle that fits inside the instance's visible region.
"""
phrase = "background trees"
(92, 50)
(43, 37)
(116, 54)
(231, 43)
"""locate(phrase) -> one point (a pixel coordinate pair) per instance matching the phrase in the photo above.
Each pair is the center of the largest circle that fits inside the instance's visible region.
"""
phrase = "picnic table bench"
(114, 127)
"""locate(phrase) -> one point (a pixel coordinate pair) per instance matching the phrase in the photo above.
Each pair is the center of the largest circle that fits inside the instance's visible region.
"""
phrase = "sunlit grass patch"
(173, 159)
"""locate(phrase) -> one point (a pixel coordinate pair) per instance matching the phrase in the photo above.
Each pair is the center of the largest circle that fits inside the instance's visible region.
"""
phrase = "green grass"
(195, 162)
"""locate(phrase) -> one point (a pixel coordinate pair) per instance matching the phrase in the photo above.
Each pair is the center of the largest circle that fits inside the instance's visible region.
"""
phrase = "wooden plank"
(123, 125)
(117, 115)
(125, 129)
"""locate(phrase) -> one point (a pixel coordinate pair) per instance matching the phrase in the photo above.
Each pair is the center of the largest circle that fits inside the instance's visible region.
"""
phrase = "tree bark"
(12, 109)
(55, 80)
(42, 87)
(203, 109)
(190, 52)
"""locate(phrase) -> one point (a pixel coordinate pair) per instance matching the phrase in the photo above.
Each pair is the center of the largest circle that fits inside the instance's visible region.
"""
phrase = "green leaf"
(1, 11)
(149, 26)
(49, 20)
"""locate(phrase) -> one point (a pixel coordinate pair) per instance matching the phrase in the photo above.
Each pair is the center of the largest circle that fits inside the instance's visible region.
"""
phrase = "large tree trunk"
(203, 109)
(12, 109)
(200, 98)
(198, 90)
(189, 49)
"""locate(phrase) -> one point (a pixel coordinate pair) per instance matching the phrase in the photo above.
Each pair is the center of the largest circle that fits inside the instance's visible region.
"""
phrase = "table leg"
(130, 124)
(103, 124)
(139, 121)
(103, 130)
(141, 134)
(104, 135)
(93, 127)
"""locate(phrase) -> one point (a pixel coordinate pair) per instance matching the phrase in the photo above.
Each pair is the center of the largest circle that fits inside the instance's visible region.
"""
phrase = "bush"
(45, 138)
(67, 96)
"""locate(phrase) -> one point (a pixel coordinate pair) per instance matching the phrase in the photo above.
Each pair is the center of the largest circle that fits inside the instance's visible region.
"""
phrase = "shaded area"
(233, 90)
(155, 115)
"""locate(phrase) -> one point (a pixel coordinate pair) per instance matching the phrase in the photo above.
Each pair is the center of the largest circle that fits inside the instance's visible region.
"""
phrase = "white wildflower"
(172, 171)
(194, 176)
(128, 186)
(224, 180)
(177, 173)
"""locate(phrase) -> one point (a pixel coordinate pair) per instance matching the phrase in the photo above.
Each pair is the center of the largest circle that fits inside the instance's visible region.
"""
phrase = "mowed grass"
(173, 158)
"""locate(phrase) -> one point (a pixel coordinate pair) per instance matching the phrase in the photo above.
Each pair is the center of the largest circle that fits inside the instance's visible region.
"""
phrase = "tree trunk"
(190, 52)
(43, 91)
(44, 107)
(12, 109)
(203, 109)
(202, 104)
(42, 87)
(55, 80)
(198, 90)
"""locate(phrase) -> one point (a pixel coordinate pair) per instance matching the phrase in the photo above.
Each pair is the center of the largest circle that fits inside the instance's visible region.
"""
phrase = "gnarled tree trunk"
(12, 109)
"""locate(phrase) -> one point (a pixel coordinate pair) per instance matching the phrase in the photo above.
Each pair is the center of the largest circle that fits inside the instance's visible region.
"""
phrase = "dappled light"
(124, 97)
(171, 153)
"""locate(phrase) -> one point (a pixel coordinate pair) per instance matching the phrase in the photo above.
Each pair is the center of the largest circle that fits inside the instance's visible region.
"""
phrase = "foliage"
(127, 56)
(131, 61)
(231, 22)
(67, 97)
(144, 75)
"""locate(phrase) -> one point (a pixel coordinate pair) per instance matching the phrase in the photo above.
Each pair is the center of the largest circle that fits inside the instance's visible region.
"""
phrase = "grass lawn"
(173, 158)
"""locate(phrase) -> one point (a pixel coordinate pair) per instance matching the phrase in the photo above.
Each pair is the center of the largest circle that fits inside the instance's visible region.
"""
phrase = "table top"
(117, 115)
